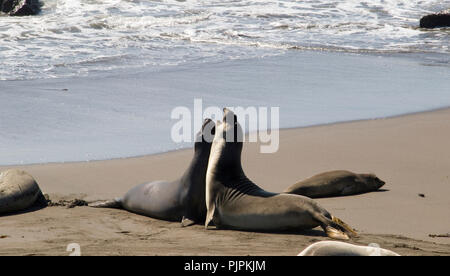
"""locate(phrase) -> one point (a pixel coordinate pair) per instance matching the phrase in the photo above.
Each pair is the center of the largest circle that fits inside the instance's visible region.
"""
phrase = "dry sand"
(411, 153)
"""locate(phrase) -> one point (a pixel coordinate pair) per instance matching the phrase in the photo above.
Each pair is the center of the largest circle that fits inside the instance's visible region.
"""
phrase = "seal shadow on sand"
(28, 210)
(362, 193)
(306, 232)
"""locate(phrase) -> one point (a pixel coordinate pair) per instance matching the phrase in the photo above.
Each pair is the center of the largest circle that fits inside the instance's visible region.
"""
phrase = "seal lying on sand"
(336, 248)
(181, 200)
(233, 201)
(336, 183)
(19, 191)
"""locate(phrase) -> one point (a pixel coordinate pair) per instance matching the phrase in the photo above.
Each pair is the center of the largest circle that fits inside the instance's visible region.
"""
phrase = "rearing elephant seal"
(18, 191)
(181, 200)
(336, 248)
(234, 201)
(336, 183)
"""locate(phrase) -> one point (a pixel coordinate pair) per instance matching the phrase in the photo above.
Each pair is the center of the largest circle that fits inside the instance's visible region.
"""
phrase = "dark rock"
(20, 7)
(436, 20)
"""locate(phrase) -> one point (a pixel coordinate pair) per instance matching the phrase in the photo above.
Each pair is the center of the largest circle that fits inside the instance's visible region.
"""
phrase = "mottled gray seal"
(19, 191)
(180, 200)
(336, 248)
(234, 201)
(336, 183)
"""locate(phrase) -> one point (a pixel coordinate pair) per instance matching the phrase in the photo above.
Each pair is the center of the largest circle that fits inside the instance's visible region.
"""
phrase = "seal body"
(336, 183)
(18, 191)
(336, 248)
(179, 200)
(233, 201)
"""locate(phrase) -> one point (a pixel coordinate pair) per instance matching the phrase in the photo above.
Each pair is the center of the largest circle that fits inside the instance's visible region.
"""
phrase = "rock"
(436, 20)
(20, 7)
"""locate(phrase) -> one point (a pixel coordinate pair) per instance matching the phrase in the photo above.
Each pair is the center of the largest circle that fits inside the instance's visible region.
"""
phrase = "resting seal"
(336, 248)
(234, 201)
(181, 200)
(19, 191)
(336, 183)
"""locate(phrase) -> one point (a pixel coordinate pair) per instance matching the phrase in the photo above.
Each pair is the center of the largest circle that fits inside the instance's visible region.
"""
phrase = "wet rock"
(20, 7)
(436, 20)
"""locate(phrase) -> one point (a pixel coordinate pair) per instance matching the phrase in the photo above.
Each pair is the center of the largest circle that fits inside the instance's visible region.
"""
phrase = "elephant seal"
(180, 200)
(336, 183)
(234, 201)
(19, 191)
(436, 20)
(336, 248)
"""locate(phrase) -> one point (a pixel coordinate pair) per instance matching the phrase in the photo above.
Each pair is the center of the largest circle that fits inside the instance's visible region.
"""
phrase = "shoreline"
(42, 119)
(247, 134)
(409, 152)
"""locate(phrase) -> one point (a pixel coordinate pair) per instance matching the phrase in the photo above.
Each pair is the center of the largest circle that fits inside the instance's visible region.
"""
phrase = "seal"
(336, 183)
(234, 201)
(180, 200)
(337, 248)
(19, 191)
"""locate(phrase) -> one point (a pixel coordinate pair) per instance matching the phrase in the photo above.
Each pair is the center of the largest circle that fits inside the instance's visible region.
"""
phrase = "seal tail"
(115, 203)
(335, 228)
(347, 229)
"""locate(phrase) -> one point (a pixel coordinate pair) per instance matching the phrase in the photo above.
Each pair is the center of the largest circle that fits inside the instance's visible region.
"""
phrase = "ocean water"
(91, 80)
(76, 37)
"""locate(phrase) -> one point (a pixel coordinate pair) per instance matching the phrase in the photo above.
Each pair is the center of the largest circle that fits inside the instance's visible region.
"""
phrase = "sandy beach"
(410, 153)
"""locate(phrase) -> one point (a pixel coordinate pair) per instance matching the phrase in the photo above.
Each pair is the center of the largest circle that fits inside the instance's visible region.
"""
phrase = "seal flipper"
(336, 228)
(335, 233)
(115, 203)
(344, 225)
(210, 215)
(185, 222)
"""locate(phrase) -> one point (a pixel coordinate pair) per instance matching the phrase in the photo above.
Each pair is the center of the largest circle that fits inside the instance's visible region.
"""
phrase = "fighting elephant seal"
(234, 201)
(18, 191)
(180, 200)
(336, 248)
(336, 183)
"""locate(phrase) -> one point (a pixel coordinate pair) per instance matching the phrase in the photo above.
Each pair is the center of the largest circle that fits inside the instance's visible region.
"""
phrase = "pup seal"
(181, 200)
(19, 191)
(233, 201)
(336, 248)
(336, 183)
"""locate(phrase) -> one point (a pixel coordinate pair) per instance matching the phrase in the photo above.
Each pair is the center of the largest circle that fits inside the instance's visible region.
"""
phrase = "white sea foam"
(83, 35)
